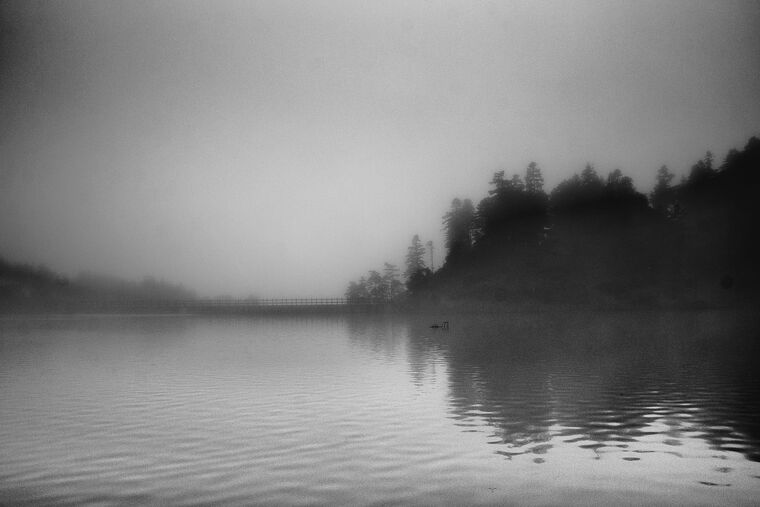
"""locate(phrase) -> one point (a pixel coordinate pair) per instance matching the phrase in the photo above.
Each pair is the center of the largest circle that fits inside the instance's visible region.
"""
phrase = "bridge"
(249, 305)
(286, 305)
(277, 302)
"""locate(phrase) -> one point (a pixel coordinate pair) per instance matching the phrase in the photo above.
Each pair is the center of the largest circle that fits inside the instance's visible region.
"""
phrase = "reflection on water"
(628, 385)
(678, 392)
(525, 409)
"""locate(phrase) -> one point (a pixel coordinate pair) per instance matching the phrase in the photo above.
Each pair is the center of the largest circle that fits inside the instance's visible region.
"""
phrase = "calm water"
(535, 409)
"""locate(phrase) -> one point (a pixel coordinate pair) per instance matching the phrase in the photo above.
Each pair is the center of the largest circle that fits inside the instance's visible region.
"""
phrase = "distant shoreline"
(462, 308)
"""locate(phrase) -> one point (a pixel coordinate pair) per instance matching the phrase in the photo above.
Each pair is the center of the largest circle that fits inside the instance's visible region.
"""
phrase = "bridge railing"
(294, 302)
(282, 302)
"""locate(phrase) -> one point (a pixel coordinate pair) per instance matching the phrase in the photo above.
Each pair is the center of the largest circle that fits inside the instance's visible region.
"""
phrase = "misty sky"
(284, 148)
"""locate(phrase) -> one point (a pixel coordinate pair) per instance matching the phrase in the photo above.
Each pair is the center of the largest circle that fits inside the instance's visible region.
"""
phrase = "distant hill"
(26, 288)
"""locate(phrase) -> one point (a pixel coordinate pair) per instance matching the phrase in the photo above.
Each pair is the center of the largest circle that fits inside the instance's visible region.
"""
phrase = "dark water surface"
(567, 408)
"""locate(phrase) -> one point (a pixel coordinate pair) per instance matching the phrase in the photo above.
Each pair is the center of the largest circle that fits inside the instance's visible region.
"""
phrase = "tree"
(415, 257)
(702, 170)
(731, 159)
(537, 202)
(514, 211)
(376, 286)
(418, 281)
(496, 212)
(658, 196)
(579, 193)
(353, 292)
(590, 179)
(459, 223)
(708, 160)
(357, 291)
(614, 178)
(588, 194)
(391, 281)
(516, 183)
(498, 182)
(534, 182)
(619, 185)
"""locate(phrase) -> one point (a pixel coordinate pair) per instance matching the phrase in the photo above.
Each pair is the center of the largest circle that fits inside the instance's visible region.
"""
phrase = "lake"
(560, 408)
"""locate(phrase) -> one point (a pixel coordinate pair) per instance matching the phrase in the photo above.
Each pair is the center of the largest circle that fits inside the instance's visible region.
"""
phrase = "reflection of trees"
(425, 352)
(387, 337)
(600, 381)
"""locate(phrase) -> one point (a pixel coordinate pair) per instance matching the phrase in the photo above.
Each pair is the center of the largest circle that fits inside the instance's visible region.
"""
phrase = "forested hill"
(598, 242)
(28, 288)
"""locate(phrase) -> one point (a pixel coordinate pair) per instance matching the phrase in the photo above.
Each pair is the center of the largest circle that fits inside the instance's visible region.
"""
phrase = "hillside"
(604, 245)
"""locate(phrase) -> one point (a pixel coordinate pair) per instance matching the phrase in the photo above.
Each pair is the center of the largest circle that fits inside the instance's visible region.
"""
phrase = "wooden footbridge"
(288, 305)
(287, 302)
(258, 305)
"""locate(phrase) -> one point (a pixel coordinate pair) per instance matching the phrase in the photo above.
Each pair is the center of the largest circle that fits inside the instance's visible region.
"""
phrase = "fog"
(284, 148)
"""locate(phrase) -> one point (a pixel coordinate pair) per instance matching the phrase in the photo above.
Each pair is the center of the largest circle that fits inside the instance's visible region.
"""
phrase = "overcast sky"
(284, 148)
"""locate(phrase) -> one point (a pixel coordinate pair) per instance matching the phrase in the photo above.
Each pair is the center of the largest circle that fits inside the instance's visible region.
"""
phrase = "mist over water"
(382, 253)
(617, 408)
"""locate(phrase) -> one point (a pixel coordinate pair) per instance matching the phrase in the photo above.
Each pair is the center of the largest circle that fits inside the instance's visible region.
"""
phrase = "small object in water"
(445, 325)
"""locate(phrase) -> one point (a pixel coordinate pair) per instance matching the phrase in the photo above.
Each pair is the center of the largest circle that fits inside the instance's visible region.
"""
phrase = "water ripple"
(364, 411)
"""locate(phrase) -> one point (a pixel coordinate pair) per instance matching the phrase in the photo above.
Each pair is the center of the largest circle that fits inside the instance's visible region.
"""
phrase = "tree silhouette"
(392, 281)
(702, 170)
(514, 211)
(497, 212)
(536, 203)
(358, 292)
(732, 158)
(619, 187)
(376, 286)
(599, 201)
(458, 224)
(659, 194)
(534, 181)
(355, 292)
(419, 280)
(586, 191)
(590, 179)
(415, 257)
(608, 245)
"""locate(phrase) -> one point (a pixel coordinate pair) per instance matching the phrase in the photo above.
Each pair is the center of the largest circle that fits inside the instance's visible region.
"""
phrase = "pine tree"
(415, 257)
(459, 224)
(590, 179)
(702, 170)
(534, 181)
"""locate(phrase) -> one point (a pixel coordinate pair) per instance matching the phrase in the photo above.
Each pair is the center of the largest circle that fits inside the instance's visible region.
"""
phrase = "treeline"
(36, 288)
(597, 240)
(518, 212)
(388, 286)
